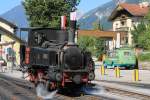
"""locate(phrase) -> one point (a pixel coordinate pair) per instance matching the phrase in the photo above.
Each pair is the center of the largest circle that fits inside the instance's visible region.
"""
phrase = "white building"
(126, 16)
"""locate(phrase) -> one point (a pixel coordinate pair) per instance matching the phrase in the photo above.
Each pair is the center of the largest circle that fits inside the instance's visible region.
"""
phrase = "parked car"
(122, 57)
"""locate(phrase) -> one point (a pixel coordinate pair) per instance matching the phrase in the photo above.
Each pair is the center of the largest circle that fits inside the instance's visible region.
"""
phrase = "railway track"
(18, 89)
(125, 93)
(10, 91)
(128, 94)
(22, 90)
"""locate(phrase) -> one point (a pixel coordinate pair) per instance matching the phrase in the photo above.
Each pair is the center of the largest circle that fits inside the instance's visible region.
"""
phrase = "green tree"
(97, 25)
(87, 43)
(100, 47)
(141, 33)
(92, 44)
(144, 39)
(138, 31)
(46, 13)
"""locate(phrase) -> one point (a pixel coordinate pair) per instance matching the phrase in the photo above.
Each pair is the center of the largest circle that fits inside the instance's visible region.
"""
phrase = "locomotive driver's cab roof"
(36, 36)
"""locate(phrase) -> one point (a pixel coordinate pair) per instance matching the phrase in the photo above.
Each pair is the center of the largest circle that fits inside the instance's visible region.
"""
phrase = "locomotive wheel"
(59, 77)
(91, 76)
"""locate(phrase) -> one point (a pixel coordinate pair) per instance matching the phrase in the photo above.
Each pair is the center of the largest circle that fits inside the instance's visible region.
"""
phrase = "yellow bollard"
(117, 72)
(102, 70)
(136, 75)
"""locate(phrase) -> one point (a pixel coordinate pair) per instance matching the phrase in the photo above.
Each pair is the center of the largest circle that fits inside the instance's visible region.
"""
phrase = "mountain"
(100, 13)
(16, 16)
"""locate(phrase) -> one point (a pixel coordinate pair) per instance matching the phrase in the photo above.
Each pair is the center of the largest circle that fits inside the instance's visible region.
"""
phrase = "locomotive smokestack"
(72, 27)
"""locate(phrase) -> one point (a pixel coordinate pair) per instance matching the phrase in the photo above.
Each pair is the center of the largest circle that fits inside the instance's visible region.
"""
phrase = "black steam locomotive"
(51, 59)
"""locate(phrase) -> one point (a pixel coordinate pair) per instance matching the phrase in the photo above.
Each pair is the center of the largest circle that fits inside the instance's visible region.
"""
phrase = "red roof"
(135, 9)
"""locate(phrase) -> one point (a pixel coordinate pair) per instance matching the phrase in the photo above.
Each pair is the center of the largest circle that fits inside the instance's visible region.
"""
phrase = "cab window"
(127, 53)
(112, 54)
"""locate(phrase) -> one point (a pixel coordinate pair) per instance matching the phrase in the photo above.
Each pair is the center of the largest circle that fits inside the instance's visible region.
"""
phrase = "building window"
(122, 23)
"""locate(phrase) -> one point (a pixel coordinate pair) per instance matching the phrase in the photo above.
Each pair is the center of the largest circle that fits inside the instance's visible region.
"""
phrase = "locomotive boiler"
(50, 58)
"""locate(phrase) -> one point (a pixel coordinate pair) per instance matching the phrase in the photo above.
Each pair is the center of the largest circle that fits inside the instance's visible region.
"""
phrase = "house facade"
(126, 16)
(9, 42)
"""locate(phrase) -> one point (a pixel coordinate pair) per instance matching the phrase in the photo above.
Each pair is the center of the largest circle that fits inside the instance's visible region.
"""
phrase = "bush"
(144, 57)
(87, 43)
(95, 45)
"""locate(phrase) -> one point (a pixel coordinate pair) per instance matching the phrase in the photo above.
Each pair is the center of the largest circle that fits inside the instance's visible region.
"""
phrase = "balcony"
(122, 28)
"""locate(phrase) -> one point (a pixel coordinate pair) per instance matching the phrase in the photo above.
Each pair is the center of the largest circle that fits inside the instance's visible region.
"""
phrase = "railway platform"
(126, 76)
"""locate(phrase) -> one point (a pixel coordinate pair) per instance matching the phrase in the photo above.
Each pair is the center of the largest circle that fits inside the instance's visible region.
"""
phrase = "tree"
(137, 33)
(144, 39)
(87, 43)
(46, 13)
(141, 33)
(92, 44)
(97, 25)
(100, 47)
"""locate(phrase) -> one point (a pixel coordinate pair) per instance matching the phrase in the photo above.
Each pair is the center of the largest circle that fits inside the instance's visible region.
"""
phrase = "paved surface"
(125, 81)
(16, 89)
(126, 76)
(13, 87)
(144, 65)
(14, 74)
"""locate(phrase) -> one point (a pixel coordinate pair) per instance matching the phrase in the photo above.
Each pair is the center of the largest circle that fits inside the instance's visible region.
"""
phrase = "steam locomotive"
(51, 59)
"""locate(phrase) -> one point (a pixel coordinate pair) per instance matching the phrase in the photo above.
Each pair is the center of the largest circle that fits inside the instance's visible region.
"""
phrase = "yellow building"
(9, 42)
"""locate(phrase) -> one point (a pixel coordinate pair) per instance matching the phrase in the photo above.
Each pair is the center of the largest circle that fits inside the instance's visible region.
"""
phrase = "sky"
(84, 6)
